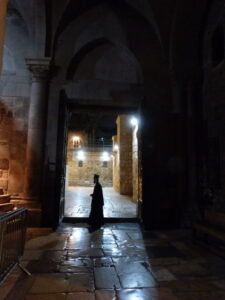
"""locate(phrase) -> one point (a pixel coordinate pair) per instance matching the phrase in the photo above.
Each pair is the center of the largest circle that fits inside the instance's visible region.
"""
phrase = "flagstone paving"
(116, 262)
(78, 203)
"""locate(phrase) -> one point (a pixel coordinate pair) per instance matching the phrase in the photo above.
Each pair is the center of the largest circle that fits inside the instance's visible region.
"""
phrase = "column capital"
(39, 68)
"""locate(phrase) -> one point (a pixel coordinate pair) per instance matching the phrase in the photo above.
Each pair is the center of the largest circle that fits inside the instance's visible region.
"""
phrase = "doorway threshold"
(106, 220)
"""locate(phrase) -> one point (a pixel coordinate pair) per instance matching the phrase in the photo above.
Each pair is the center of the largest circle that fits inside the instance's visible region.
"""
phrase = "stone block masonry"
(80, 170)
(124, 139)
(13, 132)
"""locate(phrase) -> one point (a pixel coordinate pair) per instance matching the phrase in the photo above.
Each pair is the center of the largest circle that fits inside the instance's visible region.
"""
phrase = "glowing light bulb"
(76, 139)
(116, 147)
(134, 121)
(80, 155)
(105, 156)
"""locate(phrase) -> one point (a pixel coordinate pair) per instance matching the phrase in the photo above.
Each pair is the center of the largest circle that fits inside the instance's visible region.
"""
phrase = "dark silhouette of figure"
(96, 218)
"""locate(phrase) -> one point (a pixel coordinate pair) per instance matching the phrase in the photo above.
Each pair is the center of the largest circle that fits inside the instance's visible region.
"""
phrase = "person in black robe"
(96, 219)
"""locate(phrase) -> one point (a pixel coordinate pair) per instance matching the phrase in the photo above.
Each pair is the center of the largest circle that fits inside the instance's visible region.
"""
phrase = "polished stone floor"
(78, 203)
(116, 262)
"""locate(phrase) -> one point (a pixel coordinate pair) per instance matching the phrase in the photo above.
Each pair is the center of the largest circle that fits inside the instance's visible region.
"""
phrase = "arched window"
(218, 46)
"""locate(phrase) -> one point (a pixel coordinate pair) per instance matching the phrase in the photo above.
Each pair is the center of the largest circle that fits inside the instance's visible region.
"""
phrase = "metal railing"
(12, 239)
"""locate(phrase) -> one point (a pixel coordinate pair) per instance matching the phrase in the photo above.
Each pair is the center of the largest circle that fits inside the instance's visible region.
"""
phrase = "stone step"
(23, 203)
(4, 198)
(6, 207)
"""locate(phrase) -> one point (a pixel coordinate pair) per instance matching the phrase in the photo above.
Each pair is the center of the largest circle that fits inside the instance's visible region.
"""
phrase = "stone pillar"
(116, 167)
(39, 69)
(135, 175)
(3, 13)
(124, 138)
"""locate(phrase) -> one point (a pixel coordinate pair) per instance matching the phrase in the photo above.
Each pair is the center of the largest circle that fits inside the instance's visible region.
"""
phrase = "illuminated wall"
(122, 156)
(13, 134)
(135, 174)
(83, 162)
(116, 165)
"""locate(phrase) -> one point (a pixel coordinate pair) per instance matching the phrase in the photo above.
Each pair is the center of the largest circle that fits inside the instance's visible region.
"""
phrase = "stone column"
(124, 136)
(3, 13)
(39, 69)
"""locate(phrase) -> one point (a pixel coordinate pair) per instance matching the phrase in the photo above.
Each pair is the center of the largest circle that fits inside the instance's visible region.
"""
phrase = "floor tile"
(91, 252)
(146, 294)
(78, 203)
(32, 254)
(49, 284)
(137, 280)
(80, 296)
(127, 265)
(42, 267)
(70, 268)
(52, 241)
(103, 262)
(21, 288)
(78, 262)
(112, 263)
(113, 251)
(58, 296)
(162, 274)
(81, 282)
(106, 278)
(54, 255)
(7, 285)
(105, 295)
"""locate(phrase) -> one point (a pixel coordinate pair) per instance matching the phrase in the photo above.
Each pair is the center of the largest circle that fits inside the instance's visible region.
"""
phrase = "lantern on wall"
(80, 155)
(115, 148)
(76, 141)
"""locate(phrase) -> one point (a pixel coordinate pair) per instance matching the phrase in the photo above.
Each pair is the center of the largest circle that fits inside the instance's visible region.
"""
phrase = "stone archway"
(154, 83)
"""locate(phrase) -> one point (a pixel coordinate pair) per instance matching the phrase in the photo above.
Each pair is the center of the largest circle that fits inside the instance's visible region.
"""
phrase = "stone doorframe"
(77, 106)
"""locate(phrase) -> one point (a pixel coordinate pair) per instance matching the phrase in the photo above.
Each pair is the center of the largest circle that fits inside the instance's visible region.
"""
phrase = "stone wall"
(135, 164)
(116, 165)
(80, 171)
(125, 158)
(124, 138)
(13, 135)
(214, 106)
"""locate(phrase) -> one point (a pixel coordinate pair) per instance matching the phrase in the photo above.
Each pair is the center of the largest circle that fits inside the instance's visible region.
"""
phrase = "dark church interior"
(133, 91)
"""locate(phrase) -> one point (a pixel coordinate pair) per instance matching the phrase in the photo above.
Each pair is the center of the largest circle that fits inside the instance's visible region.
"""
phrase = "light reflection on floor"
(78, 202)
(118, 261)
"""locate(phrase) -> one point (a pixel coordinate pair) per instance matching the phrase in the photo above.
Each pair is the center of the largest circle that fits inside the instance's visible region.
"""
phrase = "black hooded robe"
(96, 218)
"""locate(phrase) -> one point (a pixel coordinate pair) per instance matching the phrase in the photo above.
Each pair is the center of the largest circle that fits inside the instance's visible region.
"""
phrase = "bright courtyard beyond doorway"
(78, 203)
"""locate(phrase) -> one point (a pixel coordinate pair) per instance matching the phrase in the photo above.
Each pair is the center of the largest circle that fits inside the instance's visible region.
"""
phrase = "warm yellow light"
(76, 139)
(116, 147)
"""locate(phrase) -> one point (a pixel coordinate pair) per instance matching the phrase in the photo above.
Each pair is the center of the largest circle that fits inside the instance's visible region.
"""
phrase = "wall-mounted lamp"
(134, 121)
(76, 141)
(80, 155)
(115, 148)
(105, 156)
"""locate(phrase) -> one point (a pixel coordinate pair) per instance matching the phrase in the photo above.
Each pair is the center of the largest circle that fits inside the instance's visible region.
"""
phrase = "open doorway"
(104, 143)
